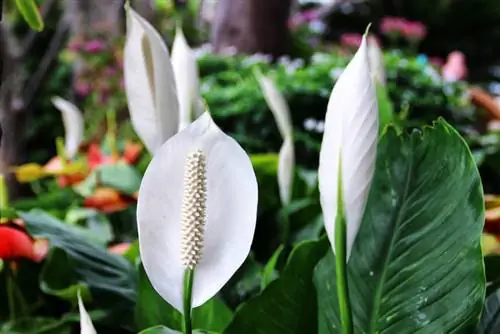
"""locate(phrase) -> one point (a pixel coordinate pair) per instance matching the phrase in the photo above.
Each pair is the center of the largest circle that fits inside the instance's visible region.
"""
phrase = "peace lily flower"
(281, 112)
(86, 326)
(348, 150)
(151, 92)
(186, 79)
(196, 211)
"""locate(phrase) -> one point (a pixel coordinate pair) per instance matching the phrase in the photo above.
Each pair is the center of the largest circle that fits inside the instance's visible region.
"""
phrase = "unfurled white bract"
(197, 207)
(187, 80)
(86, 326)
(73, 125)
(349, 142)
(149, 83)
(376, 61)
(281, 112)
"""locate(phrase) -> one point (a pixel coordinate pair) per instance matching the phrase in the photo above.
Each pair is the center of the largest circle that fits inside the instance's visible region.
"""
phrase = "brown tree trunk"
(252, 26)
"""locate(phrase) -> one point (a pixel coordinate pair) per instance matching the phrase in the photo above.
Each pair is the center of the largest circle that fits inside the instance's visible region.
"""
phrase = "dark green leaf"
(269, 273)
(119, 176)
(416, 265)
(288, 304)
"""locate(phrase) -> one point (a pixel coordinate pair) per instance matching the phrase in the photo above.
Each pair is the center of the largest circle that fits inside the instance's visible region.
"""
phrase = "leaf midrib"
(398, 209)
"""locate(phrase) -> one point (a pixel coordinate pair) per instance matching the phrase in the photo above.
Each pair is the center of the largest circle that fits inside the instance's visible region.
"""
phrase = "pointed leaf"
(29, 11)
(86, 326)
(149, 83)
(416, 266)
(230, 217)
(73, 125)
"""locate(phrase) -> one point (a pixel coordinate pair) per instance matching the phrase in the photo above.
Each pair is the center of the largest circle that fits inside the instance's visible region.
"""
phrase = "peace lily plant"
(393, 205)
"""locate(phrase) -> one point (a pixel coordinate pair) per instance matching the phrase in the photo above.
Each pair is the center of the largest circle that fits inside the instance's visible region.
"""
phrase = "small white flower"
(348, 150)
(320, 127)
(73, 125)
(197, 209)
(310, 124)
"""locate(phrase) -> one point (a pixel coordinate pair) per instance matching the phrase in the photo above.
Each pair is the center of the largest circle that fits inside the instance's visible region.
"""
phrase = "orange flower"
(108, 200)
(96, 157)
(17, 244)
(55, 165)
(120, 248)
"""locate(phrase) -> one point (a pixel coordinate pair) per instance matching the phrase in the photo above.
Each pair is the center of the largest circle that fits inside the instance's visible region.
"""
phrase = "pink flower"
(414, 30)
(303, 17)
(82, 88)
(310, 15)
(436, 61)
(94, 46)
(74, 46)
(392, 25)
(352, 40)
(109, 71)
(455, 68)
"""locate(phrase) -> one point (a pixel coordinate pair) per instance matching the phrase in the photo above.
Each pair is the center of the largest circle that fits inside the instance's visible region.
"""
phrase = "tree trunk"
(252, 26)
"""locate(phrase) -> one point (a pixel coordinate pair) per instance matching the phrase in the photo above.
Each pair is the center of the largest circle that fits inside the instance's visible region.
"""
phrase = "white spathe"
(73, 125)
(349, 142)
(187, 80)
(149, 83)
(286, 166)
(277, 103)
(86, 326)
(377, 65)
(231, 212)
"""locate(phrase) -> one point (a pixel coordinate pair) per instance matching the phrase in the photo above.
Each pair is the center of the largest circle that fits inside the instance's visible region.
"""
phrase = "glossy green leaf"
(119, 176)
(288, 304)
(269, 273)
(152, 310)
(490, 319)
(416, 265)
(29, 11)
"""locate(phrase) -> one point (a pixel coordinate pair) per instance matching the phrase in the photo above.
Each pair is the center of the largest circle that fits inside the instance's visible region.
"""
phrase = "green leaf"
(166, 330)
(385, 108)
(97, 225)
(288, 304)
(37, 325)
(152, 310)
(110, 278)
(120, 176)
(269, 274)
(490, 319)
(416, 264)
(59, 278)
(29, 11)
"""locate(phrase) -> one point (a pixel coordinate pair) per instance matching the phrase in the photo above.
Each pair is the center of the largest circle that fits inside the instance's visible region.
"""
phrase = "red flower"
(95, 156)
(17, 244)
(108, 200)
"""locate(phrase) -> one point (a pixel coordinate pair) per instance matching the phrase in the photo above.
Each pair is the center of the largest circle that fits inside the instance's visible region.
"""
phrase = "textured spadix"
(149, 83)
(231, 208)
(73, 125)
(349, 142)
(86, 326)
(187, 79)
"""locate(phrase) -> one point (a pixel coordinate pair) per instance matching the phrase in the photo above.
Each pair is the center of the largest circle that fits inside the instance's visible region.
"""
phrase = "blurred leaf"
(59, 278)
(29, 10)
(97, 225)
(490, 319)
(152, 310)
(386, 110)
(119, 176)
(288, 304)
(37, 325)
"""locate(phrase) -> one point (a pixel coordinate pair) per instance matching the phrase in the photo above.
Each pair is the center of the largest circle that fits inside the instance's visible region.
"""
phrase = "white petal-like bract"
(73, 125)
(277, 103)
(349, 141)
(149, 83)
(186, 78)
(86, 326)
(377, 65)
(286, 166)
(231, 209)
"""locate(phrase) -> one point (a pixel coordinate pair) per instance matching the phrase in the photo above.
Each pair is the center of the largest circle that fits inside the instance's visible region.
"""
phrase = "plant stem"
(341, 271)
(286, 227)
(187, 294)
(10, 294)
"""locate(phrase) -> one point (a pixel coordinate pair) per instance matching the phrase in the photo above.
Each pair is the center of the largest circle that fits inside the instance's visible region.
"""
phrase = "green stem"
(187, 293)
(10, 294)
(341, 272)
(286, 227)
